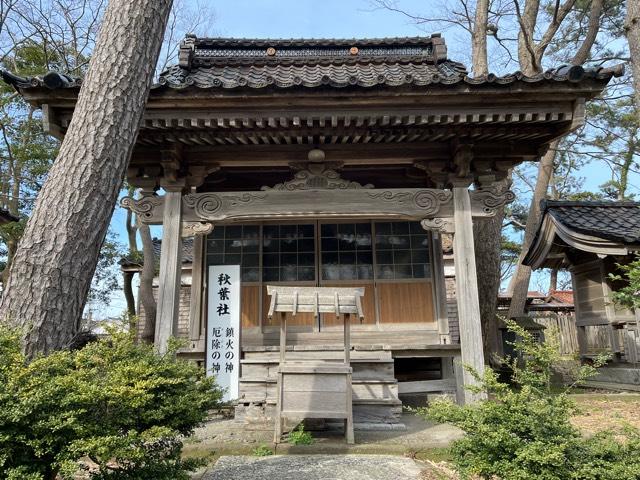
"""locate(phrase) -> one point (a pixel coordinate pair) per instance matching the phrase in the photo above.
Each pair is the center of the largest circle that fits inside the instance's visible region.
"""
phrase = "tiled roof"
(136, 263)
(616, 221)
(561, 296)
(6, 217)
(227, 63)
(187, 249)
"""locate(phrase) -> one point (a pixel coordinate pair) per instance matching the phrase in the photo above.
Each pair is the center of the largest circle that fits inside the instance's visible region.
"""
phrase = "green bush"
(524, 430)
(121, 405)
(262, 451)
(299, 437)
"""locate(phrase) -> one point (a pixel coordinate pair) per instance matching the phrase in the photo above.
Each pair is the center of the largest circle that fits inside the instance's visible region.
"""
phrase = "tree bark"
(632, 29)
(58, 252)
(147, 300)
(487, 237)
(519, 285)
(128, 293)
(479, 39)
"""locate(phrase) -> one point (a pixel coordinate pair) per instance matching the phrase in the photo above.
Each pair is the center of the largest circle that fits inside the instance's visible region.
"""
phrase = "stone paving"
(315, 467)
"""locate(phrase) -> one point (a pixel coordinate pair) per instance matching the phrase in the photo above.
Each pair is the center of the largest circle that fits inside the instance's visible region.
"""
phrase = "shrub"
(524, 430)
(122, 405)
(262, 451)
(300, 437)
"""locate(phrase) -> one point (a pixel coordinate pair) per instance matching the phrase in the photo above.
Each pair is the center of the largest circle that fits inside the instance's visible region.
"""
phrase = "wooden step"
(375, 369)
(256, 390)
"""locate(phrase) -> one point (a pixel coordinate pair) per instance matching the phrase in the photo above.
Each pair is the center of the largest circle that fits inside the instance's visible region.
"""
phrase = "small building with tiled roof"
(325, 163)
(6, 217)
(591, 238)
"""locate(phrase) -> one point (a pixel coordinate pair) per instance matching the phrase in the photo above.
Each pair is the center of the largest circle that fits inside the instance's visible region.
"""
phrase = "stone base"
(616, 377)
(260, 416)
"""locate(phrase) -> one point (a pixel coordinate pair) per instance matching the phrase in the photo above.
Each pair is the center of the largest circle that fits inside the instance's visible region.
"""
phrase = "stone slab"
(315, 467)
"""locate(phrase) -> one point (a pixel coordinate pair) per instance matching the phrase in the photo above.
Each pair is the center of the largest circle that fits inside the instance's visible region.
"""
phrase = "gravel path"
(315, 467)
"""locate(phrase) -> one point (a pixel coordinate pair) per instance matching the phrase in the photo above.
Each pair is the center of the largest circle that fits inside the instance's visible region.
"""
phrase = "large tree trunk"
(519, 285)
(58, 252)
(487, 236)
(127, 288)
(632, 28)
(147, 300)
(487, 233)
(479, 39)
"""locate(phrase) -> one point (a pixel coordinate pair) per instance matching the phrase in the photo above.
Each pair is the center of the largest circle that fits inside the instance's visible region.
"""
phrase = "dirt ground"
(607, 411)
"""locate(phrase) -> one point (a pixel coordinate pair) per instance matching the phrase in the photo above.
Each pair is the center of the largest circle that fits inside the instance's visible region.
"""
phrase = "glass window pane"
(330, 258)
(250, 275)
(401, 256)
(215, 259)
(363, 228)
(384, 257)
(289, 244)
(288, 231)
(271, 260)
(233, 231)
(400, 228)
(365, 272)
(250, 260)
(329, 230)
(347, 258)
(329, 244)
(215, 246)
(364, 257)
(232, 246)
(289, 274)
(232, 258)
(271, 231)
(419, 241)
(288, 260)
(348, 272)
(419, 256)
(383, 228)
(363, 240)
(306, 231)
(383, 242)
(306, 245)
(250, 231)
(421, 271)
(331, 272)
(402, 271)
(384, 272)
(306, 274)
(270, 274)
(346, 229)
(306, 259)
(270, 245)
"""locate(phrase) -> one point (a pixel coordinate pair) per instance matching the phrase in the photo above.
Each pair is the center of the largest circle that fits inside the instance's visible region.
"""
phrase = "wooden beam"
(195, 305)
(170, 270)
(467, 291)
(353, 202)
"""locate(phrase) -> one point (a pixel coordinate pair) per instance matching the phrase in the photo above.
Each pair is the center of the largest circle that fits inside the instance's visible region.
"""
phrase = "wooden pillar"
(170, 269)
(195, 305)
(467, 290)
(440, 288)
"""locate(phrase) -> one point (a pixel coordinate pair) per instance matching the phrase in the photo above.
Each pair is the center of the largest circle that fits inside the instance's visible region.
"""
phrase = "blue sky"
(331, 18)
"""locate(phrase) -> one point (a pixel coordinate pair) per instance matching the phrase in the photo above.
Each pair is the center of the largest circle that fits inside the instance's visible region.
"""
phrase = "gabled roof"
(231, 63)
(134, 264)
(561, 297)
(604, 228)
(6, 217)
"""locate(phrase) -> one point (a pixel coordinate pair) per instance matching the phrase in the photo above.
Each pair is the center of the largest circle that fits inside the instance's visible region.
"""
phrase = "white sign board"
(223, 328)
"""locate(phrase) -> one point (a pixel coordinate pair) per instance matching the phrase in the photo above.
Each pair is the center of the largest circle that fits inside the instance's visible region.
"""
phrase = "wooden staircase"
(375, 389)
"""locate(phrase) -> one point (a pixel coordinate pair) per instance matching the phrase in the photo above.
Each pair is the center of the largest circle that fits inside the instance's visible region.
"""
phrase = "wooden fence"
(561, 327)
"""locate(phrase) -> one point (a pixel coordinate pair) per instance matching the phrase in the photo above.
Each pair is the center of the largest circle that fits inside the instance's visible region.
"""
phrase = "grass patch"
(300, 437)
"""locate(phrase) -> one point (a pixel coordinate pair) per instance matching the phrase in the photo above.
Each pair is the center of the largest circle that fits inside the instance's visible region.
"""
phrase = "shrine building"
(333, 163)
